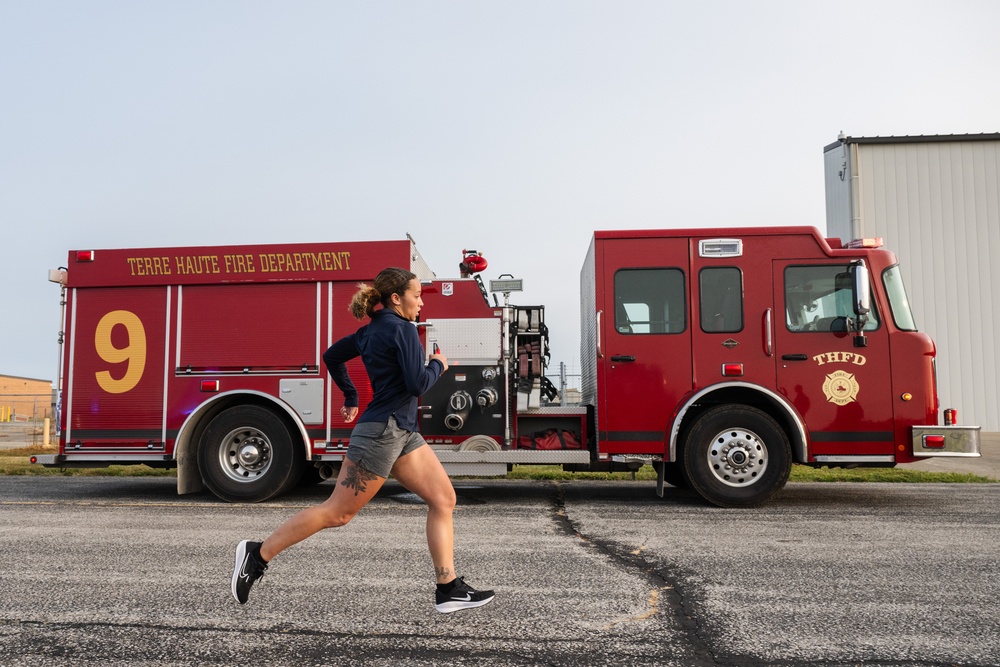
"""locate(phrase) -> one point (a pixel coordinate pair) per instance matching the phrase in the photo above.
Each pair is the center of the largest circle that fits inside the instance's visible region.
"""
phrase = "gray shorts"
(375, 446)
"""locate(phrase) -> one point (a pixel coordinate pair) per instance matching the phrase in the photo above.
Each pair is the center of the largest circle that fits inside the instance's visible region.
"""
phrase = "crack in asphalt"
(668, 588)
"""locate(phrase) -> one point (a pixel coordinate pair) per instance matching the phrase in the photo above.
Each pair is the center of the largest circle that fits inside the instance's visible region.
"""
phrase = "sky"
(516, 128)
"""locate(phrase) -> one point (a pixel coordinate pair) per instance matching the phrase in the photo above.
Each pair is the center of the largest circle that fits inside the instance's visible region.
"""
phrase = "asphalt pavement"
(122, 571)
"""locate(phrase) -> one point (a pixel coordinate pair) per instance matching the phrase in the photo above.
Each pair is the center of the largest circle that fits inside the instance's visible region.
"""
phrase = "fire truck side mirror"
(861, 299)
(861, 290)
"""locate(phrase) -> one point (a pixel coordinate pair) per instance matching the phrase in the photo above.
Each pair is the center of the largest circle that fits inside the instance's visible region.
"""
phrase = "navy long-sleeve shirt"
(390, 348)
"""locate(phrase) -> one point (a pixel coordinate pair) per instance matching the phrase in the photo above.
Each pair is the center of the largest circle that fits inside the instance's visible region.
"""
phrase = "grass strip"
(16, 462)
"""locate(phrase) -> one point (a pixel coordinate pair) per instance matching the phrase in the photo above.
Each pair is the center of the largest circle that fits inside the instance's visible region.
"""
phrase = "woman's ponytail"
(364, 300)
(388, 282)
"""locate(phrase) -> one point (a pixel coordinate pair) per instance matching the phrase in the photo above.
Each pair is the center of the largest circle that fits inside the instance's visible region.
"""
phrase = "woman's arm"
(335, 357)
(417, 377)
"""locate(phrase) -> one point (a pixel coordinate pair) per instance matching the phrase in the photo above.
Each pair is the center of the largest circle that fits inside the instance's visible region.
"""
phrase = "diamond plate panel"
(467, 341)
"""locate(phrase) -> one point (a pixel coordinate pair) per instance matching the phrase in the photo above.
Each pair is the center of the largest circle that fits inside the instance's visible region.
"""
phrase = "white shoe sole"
(458, 605)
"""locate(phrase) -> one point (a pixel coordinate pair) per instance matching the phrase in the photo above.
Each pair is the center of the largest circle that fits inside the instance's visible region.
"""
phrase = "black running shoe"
(462, 596)
(247, 570)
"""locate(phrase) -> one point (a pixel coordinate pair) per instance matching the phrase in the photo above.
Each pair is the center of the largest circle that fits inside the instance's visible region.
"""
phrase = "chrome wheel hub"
(245, 454)
(737, 457)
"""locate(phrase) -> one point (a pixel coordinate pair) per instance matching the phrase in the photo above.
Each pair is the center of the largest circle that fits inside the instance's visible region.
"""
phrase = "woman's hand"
(443, 359)
(349, 413)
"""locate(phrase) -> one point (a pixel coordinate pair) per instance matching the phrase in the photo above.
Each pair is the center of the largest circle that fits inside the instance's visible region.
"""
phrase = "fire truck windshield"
(898, 303)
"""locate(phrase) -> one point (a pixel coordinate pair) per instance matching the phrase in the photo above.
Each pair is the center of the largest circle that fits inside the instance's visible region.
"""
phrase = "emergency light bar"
(875, 242)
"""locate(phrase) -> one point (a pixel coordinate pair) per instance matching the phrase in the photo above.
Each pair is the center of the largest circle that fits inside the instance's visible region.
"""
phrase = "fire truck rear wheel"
(737, 456)
(247, 455)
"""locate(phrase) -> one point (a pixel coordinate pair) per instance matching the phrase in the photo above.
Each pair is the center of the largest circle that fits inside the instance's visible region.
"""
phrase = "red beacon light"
(85, 255)
(472, 262)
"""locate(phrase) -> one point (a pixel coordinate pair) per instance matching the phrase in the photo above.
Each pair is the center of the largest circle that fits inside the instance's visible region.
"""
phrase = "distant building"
(936, 202)
(23, 399)
(573, 396)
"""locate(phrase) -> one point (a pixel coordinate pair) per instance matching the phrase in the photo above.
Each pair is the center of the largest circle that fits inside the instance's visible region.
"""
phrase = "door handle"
(600, 352)
(794, 357)
(622, 357)
(768, 339)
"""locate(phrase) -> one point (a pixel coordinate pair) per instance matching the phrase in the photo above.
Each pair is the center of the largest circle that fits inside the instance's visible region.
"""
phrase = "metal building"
(936, 202)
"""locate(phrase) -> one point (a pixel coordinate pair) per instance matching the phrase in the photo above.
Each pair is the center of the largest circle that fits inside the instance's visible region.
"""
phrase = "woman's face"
(409, 304)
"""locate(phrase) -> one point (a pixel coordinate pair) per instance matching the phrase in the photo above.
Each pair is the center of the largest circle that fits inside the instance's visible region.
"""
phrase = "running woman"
(385, 440)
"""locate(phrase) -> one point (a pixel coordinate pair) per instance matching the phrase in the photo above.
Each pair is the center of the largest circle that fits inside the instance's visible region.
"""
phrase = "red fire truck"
(718, 356)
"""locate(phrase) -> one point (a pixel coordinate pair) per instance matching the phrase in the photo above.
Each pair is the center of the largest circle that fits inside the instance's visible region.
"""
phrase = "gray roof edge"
(914, 139)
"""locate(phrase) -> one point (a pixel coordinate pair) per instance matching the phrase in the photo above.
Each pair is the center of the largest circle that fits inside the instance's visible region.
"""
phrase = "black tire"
(737, 456)
(247, 454)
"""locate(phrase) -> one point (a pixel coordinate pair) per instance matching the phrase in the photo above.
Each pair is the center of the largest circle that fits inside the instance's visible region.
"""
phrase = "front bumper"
(955, 441)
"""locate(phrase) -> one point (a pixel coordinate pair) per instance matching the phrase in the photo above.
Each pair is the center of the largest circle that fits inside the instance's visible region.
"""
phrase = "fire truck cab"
(718, 356)
(728, 354)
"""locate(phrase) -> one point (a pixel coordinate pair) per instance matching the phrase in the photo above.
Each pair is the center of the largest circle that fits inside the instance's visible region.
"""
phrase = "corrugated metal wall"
(838, 168)
(937, 204)
(588, 329)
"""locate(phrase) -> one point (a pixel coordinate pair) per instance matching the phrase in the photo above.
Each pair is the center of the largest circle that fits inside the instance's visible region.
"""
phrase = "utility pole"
(562, 383)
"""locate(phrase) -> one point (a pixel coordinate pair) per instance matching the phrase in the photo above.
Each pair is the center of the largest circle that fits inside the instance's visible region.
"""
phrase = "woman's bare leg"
(355, 487)
(421, 472)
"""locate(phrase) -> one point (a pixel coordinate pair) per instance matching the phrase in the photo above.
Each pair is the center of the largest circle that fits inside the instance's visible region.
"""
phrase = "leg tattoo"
(357, 477)
(442, 572)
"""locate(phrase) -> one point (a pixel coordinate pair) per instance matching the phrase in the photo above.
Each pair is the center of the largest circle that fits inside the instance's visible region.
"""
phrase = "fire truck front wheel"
(737, 456)
(247, 455)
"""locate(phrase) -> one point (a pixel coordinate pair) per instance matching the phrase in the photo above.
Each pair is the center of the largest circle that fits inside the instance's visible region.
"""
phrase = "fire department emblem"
(840, 387)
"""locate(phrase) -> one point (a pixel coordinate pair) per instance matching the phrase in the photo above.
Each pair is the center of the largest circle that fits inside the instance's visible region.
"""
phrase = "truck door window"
(818, 298)
(720, 291)
(649, 301)
(899, 305)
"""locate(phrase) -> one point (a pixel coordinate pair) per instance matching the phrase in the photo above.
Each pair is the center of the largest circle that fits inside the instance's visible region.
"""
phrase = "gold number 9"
(134, 353)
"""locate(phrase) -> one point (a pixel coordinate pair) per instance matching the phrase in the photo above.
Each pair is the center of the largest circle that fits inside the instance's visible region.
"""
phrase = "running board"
(495, 464)
(860, 459)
